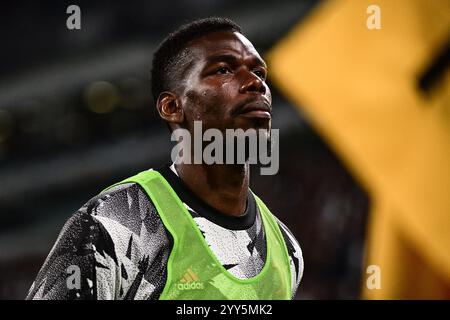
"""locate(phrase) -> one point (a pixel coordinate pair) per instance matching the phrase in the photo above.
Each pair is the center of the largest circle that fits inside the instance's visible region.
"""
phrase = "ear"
(169, 107)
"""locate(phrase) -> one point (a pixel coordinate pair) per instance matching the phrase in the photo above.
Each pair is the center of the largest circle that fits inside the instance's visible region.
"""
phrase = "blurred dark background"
(76, 115)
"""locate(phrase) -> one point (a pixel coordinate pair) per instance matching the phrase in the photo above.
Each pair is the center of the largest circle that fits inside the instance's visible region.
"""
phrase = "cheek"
(229, 90)
(206, 103)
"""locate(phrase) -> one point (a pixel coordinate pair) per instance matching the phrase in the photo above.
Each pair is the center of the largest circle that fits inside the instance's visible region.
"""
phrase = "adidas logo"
(190, 281)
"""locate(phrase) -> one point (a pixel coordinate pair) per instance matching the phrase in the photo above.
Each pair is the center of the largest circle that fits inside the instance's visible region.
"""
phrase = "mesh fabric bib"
(194, 272)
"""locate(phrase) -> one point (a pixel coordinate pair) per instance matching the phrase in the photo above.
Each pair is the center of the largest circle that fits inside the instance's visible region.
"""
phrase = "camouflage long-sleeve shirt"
(118, 247)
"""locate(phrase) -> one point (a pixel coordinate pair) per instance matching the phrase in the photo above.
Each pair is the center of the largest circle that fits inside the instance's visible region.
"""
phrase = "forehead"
(213, 43)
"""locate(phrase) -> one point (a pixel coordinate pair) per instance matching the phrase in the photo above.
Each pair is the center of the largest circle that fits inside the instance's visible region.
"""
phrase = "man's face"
(225, 84)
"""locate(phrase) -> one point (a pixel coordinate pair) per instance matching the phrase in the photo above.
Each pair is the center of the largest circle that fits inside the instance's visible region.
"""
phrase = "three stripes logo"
(190, 281)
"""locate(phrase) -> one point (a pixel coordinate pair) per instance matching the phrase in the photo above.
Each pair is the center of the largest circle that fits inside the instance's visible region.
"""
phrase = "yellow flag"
(354, 67)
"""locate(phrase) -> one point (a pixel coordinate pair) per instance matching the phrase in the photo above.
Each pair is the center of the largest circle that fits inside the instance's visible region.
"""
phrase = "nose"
(252, 84)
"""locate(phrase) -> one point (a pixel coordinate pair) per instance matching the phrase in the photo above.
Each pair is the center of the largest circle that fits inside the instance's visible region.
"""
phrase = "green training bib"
(194, 272)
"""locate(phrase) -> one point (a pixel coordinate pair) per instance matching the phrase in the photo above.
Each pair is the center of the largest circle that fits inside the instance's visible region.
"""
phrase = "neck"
(222, 186)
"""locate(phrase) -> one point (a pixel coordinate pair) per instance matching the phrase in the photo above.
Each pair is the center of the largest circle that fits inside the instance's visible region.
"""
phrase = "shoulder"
(293, 248)
(114, 238)
(128, 216)
(295, 253)
(142, 243)
(122, 206)
(289, 237)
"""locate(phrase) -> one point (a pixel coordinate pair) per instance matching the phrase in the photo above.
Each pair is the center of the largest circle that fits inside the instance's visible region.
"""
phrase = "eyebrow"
(232, 59)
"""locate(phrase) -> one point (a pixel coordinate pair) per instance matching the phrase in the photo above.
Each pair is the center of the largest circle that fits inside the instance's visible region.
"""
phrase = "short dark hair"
(170, 55)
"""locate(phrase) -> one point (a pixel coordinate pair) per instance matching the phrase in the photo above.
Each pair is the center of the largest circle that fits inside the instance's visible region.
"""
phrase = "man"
(184, 231)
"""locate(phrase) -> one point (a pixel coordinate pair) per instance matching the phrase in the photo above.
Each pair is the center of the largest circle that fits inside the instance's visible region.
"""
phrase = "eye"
(223, 70)
(260, 74)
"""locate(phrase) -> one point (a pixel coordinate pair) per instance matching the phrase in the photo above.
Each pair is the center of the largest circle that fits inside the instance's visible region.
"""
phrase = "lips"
(256, 109)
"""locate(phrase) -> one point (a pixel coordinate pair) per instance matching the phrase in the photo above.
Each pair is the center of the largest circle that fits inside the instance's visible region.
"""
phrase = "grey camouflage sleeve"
(295, 256)
(69, 271)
